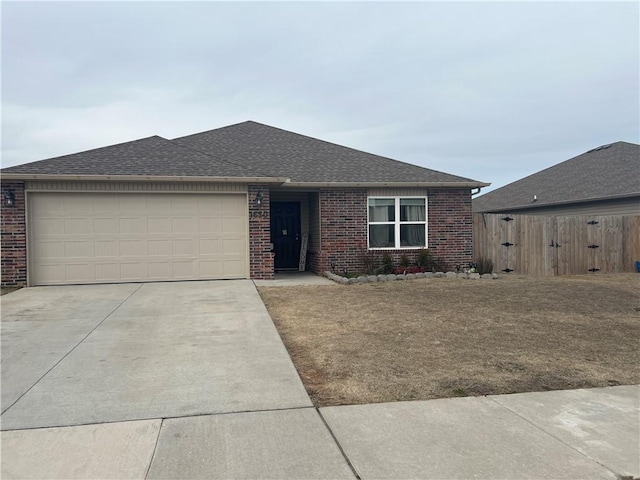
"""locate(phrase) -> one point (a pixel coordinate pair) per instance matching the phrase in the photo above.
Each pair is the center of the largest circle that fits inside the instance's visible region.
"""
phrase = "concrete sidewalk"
(552, 435)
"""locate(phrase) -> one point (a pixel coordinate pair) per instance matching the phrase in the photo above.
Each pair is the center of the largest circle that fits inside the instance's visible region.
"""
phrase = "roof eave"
(470, 184)
(142, 178)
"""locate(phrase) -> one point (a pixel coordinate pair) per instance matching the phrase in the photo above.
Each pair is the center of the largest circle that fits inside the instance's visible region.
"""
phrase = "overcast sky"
(493, 91)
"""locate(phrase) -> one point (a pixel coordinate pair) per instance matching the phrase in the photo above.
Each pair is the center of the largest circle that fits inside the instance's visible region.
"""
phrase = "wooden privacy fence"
(550, 245)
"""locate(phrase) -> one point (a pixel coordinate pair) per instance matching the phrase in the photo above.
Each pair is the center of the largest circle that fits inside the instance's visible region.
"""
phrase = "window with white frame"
(397, 222)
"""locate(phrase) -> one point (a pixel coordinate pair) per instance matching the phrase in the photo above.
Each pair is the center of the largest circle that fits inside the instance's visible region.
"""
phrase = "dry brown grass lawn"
(435, 338)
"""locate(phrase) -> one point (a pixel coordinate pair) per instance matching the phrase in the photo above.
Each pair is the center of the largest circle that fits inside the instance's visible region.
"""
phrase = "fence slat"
(558, 245)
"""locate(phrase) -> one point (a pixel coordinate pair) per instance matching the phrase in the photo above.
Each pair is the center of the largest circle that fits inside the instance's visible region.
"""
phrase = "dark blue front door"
(285, 234)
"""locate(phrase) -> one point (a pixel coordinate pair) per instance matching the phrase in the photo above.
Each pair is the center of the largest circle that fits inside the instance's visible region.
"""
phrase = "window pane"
(381, 236)
(382, 210)
(412, 236)
(412, 210)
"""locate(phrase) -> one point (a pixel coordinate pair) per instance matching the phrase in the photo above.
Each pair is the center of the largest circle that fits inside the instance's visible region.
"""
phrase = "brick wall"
(343, 232)
(14, 239)
(260, 255)
(450, 227)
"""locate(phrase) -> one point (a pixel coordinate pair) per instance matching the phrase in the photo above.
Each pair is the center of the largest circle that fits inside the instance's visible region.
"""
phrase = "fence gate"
(569, 245)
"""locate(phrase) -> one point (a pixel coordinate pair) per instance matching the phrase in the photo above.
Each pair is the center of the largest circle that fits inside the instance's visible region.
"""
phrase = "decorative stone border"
(408, 276)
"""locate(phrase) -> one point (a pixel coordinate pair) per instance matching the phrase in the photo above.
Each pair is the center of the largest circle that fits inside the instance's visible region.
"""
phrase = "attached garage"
(96, 237)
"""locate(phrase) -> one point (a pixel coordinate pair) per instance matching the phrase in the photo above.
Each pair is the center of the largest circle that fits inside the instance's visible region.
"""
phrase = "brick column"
(260, 255)
(14, 238)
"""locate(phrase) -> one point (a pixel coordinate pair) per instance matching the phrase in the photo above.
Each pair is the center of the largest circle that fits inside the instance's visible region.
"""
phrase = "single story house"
(603, 181)
(235, 202)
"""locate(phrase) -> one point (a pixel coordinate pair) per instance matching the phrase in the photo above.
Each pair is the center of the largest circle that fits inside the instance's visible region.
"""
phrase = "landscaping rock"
(407, 276)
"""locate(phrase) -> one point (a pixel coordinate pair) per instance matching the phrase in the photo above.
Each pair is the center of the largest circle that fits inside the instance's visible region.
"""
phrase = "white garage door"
(136, 237)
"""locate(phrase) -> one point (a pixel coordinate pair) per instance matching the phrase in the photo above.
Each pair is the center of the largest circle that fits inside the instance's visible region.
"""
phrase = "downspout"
(476, 192)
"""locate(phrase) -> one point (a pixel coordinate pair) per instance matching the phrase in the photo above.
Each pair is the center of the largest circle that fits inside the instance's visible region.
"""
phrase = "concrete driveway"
(76, 355)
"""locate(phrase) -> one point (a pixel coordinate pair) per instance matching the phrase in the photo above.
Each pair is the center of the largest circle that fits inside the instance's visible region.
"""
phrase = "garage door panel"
(106, 248)
(232, 246)
(232, 225)
(107, 272)
(51, 250)
(184, 270)
(104, 237)
(78, 226)
(209, 224)
(78, 272)
(106, 226)
(133, 203)
(79, 249)
(232, 207)
(48, 226)
(184, 225)
(159, 225)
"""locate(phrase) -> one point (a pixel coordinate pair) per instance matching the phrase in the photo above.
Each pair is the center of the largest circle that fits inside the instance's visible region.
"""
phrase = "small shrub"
(484, 265)
(424, 258)
(404, 261)
(369, 262)
(387, 263)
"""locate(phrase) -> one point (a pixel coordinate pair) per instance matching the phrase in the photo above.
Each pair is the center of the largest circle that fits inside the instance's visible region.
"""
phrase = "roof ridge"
(217, 129)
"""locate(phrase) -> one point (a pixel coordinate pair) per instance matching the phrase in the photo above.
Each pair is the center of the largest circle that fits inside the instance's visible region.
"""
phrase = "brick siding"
(450, 227)
(260, 254)
(343, 232)
(14, 238)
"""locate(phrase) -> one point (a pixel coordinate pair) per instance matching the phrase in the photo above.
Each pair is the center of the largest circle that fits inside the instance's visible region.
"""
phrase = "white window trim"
(397, 222)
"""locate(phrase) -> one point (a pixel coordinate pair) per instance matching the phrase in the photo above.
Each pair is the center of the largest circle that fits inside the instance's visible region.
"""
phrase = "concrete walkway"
(190, 380)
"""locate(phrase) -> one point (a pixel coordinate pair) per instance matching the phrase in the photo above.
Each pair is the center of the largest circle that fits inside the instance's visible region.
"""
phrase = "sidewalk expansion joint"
(339, 445)
(162, 419)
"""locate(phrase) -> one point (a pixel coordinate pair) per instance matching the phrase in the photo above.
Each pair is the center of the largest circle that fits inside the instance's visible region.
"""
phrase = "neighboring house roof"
(248, 150)
(606, 172)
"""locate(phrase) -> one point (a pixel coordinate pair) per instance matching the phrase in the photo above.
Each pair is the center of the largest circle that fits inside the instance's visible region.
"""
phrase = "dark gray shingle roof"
(610, 171)
(244, 150)
(280, 153)
(152, 156)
